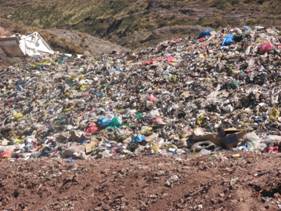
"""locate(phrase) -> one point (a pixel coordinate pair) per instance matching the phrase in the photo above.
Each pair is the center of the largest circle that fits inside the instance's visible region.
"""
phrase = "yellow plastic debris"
(200, 119)
(18, 140)
(145, 130)
(84, 87)
(17, 115)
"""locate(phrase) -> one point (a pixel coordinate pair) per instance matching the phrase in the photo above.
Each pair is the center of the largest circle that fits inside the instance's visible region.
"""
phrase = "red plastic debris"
(92, 129)
(152, 98)
(148, 62)
(274, 149)
(6, 154)
(265, 47)
(202, 39)
(170, 59)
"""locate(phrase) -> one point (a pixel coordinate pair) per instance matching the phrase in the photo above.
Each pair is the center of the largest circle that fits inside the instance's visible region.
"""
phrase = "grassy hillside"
(133, 23)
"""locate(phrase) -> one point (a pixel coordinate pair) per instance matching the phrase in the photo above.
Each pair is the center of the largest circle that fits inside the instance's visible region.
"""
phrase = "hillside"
(141, 22)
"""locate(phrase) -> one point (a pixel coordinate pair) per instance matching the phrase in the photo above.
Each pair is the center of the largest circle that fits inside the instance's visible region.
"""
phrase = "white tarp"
(34, 45)
(25, 45)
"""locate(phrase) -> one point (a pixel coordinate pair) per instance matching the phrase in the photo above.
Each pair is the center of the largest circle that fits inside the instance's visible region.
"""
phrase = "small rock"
(233, 181)
(172, 180)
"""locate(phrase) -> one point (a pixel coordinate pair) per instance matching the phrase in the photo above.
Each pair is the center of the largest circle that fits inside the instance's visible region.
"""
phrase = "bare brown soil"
(218, 182)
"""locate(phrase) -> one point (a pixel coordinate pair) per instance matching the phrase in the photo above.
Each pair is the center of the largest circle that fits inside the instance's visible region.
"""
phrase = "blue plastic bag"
(140, 139)
(228, 40)
(104, 122)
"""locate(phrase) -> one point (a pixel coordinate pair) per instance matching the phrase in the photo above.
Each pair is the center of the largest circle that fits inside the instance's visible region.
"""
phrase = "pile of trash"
(219, 91)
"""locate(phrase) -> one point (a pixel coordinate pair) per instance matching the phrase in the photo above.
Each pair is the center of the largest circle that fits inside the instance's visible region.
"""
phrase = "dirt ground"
(223, 181)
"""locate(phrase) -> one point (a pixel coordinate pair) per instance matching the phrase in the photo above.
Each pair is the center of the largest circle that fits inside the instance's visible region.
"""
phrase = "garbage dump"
(218, 91)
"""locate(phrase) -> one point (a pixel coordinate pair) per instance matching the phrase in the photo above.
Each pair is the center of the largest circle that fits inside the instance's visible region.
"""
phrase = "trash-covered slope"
(142, 22)
(184, 95)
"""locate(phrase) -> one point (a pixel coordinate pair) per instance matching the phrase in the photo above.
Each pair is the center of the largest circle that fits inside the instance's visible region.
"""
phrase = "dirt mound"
(220, 182)
(4, 32)
(77, 42)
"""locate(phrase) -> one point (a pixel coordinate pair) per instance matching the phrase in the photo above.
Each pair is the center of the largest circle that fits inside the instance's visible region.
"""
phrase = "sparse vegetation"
(121, 20)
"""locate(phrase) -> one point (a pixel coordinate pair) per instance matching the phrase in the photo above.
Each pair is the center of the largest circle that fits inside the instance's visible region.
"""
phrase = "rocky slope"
(141, 22)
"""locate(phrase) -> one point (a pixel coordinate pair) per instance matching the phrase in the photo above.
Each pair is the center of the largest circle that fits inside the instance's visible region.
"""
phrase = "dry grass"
(128, 22)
